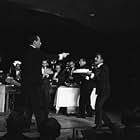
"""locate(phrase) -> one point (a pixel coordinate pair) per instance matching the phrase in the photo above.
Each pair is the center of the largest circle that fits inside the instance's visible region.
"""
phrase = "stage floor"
(67, 124)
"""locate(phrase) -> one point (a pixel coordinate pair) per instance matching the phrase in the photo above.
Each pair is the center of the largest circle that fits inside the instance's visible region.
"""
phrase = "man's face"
(37, 43)
(58, 68)
(98, 59)
(72, 64)
(45, 63)
(82, 62)
(18, 66)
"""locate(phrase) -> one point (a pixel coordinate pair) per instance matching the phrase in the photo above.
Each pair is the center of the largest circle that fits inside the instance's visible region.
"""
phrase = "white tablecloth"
(69, 97)
(93, 98)
(2, 98)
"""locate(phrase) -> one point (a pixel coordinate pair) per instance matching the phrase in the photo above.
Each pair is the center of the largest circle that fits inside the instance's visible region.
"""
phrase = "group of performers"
(39, 75)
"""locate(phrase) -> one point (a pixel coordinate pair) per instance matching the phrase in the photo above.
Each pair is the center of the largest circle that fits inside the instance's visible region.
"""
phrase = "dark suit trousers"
(52, 93)
(100, 115)
(36, 102)
(84, 101)
(45, 89)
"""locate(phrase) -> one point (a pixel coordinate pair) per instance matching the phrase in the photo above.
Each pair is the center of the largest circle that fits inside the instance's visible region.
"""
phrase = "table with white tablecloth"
(2, 98)
(93, 98)
(69, 97)
(7, 95)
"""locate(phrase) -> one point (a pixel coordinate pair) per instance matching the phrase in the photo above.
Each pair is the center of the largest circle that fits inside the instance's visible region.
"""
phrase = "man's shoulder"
(105, 67)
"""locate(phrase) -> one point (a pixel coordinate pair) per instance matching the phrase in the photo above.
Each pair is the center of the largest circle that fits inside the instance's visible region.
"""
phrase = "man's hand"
(63, 55)
(91, 74)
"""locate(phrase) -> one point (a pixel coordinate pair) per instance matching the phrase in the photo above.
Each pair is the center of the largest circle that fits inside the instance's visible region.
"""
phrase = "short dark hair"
(51, 126)
(31, 38)
(84, 59)
(101, 54)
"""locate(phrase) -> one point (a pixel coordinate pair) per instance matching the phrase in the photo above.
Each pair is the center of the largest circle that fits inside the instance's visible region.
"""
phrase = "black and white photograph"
(69, 70)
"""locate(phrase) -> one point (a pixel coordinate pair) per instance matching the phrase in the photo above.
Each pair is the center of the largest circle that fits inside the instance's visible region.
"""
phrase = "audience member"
(14, 125)
(50, 129)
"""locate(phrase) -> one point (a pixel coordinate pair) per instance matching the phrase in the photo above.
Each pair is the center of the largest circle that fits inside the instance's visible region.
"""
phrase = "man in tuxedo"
(15, 72)
(59, 78)
(47, 73)
(14, 78)
(35, 101)
(86, 87)
(102, 90)
(54, 85)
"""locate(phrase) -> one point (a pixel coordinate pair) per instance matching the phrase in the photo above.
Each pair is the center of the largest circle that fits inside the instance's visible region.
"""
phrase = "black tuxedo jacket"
(13, 74)
(62, 76)
(102, 79)
(32, 64)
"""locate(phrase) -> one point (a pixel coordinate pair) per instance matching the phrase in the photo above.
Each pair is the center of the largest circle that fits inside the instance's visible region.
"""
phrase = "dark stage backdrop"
(109, 14)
